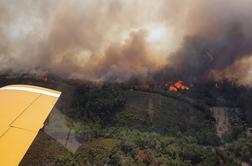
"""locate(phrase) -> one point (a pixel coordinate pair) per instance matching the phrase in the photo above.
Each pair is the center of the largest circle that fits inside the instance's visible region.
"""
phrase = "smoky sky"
(218, 41)
(116, 39)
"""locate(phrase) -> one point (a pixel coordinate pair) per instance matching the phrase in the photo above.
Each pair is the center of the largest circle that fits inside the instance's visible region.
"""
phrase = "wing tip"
(32, 88)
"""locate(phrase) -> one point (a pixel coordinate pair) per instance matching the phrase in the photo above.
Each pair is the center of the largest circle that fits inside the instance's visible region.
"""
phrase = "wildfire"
(177, 87)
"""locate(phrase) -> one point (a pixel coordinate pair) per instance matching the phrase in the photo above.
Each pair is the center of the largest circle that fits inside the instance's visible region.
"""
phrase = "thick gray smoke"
(116, 39)
(219, 37)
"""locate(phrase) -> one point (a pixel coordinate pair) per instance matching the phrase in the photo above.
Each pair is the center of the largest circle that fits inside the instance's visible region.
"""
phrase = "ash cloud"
(218, 38)
(116, 40)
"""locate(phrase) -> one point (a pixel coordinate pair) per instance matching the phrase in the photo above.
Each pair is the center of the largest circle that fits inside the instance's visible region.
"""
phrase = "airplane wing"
(23, 110)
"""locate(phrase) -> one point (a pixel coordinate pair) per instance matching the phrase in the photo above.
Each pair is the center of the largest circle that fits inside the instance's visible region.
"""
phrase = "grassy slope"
(165, 115)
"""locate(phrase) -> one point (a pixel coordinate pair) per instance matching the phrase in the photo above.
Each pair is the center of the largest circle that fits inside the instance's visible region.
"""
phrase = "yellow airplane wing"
(23, 110)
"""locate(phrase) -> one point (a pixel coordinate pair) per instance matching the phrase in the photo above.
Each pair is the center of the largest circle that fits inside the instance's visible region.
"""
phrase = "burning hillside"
(136, 71)
(101, 113)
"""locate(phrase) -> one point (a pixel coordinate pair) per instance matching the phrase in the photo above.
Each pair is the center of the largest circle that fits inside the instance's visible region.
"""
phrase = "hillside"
(154, 112)
(119, 125)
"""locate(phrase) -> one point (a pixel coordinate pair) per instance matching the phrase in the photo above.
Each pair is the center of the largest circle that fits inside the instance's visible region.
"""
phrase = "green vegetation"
(156, 113)
(123, 126)
(241, 148)
(92, 104)
(122, 146)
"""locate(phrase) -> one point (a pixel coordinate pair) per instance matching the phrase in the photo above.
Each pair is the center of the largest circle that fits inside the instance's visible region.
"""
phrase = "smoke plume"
(218, 39)
(115, 40)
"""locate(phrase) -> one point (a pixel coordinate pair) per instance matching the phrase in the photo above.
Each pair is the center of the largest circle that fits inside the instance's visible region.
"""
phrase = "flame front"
(178, 87)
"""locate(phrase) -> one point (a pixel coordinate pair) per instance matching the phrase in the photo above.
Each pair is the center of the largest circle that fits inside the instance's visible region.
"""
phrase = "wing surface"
(23, 110)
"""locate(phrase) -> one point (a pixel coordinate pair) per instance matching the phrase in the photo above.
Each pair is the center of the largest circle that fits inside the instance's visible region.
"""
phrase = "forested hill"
(120, 125)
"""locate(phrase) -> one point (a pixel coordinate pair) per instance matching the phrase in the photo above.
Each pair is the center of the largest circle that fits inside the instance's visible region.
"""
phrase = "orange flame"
(173, 89)
(177, 87)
